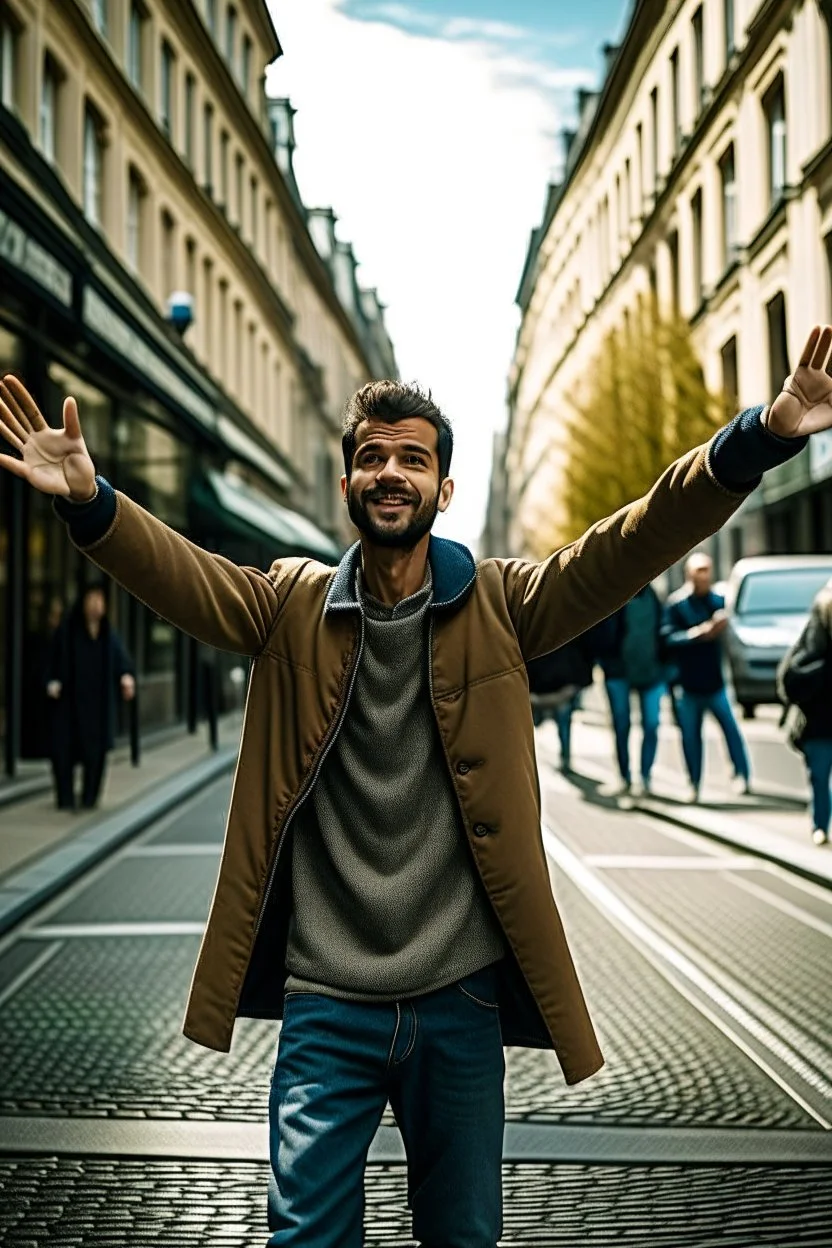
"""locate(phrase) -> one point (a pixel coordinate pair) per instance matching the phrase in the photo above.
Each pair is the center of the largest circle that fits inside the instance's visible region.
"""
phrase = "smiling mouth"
(391, 502)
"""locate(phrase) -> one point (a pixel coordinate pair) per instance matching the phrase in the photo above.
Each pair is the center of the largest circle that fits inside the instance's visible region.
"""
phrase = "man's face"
(94, 606)
(701, 575)
(394, 491)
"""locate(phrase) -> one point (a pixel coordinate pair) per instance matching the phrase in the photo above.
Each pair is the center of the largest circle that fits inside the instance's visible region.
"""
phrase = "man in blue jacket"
(694, 622)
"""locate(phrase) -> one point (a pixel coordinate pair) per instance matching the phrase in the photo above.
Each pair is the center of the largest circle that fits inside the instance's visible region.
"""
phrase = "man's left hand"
(804, 405)
(128, 688)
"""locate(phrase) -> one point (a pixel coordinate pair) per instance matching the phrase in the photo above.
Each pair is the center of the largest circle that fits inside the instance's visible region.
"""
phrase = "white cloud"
(434, 153)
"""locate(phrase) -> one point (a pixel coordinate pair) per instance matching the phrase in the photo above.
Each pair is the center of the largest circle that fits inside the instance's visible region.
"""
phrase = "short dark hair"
(390, 401)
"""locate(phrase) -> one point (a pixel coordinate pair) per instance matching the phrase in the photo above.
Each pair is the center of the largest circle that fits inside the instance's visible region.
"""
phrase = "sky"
(431, 127)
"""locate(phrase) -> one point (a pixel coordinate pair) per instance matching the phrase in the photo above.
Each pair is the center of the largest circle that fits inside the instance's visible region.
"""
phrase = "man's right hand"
(54, 461)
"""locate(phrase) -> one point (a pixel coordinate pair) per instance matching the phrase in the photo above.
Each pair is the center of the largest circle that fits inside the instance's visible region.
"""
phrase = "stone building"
(157, 262)
(701, 170)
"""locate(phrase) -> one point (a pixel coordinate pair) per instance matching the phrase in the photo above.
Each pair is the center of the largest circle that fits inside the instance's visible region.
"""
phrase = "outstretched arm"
(553, 601)
(207, 596)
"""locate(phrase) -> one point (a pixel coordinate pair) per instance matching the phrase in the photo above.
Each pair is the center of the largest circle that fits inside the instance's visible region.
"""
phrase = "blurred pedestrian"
(555, 683)
(694, 621)
(804, 682)
(633, 664)
(88, 667)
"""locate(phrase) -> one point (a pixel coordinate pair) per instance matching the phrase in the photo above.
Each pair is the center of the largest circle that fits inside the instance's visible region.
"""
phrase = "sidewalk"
(42, 848)
(772, 822)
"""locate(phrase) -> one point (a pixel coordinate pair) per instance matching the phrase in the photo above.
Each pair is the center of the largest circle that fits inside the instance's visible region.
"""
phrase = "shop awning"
(249, 510)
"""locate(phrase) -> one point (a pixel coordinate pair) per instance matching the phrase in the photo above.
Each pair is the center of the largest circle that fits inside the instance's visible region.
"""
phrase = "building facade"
(156, 261)
(700, 171)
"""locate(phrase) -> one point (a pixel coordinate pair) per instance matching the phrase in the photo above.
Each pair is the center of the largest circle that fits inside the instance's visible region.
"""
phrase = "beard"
(392, 534)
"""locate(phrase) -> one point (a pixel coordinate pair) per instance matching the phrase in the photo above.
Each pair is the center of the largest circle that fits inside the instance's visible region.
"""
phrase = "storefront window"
(11, 358)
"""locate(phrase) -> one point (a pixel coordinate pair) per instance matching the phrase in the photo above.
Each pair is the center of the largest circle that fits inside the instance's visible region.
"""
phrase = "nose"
(390, 470)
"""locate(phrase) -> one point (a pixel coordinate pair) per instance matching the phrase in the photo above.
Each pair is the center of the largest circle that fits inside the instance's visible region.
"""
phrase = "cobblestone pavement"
(180, 1204)
(91, 1011)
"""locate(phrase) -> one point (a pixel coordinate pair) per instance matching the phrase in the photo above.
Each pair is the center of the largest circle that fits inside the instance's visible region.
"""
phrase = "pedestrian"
(694, 622)
(88, 668)
(384, 887)
(633, 664)
(555, 684)
(804, 682)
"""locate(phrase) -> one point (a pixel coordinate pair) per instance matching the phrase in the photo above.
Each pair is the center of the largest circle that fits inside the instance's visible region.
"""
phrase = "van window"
(784, 591)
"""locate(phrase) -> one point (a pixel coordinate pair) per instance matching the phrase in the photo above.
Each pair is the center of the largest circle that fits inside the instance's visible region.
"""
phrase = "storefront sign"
(20, 250)
(240, 442)
(101, 318)
(820, 455)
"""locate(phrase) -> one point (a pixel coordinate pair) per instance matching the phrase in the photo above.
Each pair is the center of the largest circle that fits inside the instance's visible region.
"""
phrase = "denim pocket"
(480, 987)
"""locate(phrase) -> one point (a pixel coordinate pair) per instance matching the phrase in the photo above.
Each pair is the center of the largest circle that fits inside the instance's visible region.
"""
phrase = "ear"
(446, 493)
(344, 485)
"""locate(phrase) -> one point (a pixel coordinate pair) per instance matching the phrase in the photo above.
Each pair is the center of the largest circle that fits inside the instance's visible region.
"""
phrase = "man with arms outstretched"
(383, 886)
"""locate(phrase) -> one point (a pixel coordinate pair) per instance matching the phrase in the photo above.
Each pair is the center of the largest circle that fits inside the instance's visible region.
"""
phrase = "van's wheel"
(749, 710)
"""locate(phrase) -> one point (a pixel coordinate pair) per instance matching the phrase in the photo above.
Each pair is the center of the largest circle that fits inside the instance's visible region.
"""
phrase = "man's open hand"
(55, 461)
(805, 403)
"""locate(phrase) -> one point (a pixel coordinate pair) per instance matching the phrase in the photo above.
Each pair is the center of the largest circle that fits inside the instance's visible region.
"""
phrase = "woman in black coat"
(804, 681)
(88, 668)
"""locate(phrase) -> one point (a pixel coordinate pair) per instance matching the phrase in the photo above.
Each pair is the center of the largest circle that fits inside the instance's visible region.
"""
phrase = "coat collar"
(452, 567)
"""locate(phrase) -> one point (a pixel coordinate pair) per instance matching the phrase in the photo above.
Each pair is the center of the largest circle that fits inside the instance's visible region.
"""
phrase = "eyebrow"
(375, 443)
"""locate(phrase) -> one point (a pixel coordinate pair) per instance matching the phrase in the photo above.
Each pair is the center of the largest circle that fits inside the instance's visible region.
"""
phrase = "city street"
(707, 970)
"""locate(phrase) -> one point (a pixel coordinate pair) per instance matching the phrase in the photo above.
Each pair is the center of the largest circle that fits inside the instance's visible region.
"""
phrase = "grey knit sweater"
(387, 902)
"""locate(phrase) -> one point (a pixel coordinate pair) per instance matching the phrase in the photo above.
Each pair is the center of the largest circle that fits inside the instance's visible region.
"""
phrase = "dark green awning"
(248, 512)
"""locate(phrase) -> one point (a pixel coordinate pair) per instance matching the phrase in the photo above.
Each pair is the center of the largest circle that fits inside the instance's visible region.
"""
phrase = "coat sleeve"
(203, 594)
(553, 601)
(122, 663)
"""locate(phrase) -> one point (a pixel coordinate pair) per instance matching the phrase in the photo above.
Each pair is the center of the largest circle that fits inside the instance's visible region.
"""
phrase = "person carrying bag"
(804, 684)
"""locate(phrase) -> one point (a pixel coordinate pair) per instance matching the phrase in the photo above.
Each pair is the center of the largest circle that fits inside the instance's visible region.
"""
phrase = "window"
(625, 202)
(778, 348)
(222, 331)
(775, 110)
(826, 13)
(135, 37)
(654, 136)
(190, 114)
(47, 121)
(786, 592)
(699, 59)
(166, 71)
(674, 102)
(190, 266)
(225, 143)
(696, 222)
(211, 15)
(730, 374)
(245, 65)
(208, 153)
(730, 215)
(253, 220)
(639, 171)
(231, 35)
(208, 307)
(99, 16)
(673, 249)
(8, 62)
(93, 165)
(729, 26)
(168, 252)
(238, 189)
(135, 219)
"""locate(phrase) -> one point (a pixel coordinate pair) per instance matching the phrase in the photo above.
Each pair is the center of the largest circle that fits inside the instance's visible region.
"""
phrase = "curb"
(812, 863)
(29, 888)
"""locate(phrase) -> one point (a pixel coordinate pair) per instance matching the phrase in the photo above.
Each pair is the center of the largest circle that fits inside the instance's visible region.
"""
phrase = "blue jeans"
(691, 708)
(818, 756)
(618, 692)
(562, 715)
(438, 1059)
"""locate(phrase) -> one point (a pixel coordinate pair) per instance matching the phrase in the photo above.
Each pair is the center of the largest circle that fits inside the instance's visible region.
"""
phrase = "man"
(88, 667)
(804, 683)
(633, 663)
(694, 622)
(383, 886)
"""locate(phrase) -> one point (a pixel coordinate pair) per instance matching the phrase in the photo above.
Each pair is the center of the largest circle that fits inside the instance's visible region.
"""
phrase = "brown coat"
(299, 622)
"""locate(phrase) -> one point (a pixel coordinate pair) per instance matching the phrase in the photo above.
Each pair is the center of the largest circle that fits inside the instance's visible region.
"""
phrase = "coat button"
(480, 829)
(463, 768)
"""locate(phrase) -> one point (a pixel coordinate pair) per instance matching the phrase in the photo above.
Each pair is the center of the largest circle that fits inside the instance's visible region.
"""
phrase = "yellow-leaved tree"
(644, 404)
